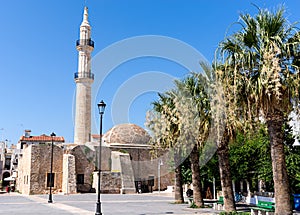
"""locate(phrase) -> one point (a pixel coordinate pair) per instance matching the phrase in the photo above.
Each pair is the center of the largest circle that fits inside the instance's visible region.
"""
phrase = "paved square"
(112, 204)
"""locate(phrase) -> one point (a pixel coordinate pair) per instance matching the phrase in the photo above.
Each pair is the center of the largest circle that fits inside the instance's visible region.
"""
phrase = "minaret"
(83, 79)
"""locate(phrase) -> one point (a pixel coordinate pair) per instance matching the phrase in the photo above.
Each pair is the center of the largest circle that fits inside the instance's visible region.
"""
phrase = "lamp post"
(160, 163)
(101, 107)
(51, 181)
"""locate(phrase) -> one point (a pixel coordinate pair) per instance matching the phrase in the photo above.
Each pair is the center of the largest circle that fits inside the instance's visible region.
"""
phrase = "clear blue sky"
(38, 55)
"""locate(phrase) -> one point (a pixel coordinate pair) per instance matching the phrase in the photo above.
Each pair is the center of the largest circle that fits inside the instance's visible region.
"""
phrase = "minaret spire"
(85, 20)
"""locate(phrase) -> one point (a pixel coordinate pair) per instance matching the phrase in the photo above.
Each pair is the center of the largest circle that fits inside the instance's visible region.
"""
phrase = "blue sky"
(39, 57)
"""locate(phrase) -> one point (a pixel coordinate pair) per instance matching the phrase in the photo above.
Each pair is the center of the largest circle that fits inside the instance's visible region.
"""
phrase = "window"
(50, 180)
(80, 179)
(7, 163)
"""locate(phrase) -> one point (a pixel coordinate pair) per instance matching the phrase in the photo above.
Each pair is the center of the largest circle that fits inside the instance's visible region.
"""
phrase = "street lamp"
(101, 107)
(51, 181)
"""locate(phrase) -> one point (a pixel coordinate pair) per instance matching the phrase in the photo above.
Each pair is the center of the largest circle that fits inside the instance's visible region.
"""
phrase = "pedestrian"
(7, 189)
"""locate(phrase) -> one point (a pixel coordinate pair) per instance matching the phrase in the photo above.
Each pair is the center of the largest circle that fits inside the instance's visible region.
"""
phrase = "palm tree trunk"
(225, 176)
(196, 178)
(178, 179)
(280, 177)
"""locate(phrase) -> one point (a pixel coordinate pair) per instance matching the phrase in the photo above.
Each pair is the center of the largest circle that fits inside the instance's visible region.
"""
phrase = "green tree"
(250, 157)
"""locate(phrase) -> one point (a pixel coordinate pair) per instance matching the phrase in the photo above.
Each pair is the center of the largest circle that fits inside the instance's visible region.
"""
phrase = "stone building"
(131, 160)
(33, 163)
(34, 169)
(126, 164)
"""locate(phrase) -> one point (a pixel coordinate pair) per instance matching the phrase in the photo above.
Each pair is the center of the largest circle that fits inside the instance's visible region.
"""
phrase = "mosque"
(126, 162)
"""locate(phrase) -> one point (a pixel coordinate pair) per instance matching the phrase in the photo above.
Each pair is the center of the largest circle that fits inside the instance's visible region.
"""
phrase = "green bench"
(220, 201)
(264, 207)
(218, 205)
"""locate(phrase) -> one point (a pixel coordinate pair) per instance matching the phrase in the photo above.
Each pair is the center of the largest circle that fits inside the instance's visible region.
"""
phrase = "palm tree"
(164, 126)
(224, 120)
(262, 60)
(196, 94)
(225, 174)
(194, 117)
(188, 104)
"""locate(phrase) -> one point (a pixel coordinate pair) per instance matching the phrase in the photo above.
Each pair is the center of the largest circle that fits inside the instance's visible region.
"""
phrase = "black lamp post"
(101, 107)
(51, 181)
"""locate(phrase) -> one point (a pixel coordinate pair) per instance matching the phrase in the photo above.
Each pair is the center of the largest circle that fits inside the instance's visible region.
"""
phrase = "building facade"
(33, 163)
(127, 165)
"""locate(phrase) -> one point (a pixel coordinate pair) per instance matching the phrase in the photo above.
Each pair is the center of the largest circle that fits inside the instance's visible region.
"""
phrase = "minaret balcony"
(84, 75)
(85, 42)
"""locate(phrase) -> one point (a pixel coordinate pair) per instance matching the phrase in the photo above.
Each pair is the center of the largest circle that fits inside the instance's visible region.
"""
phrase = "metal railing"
(82, 42)
(84, 75)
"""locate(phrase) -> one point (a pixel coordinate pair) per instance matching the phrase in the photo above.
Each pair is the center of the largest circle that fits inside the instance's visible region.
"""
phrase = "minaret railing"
(84, 75)
(84, 42)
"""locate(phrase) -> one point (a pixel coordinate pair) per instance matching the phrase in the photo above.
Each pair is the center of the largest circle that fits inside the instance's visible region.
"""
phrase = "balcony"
(85, 42)
(84, 75)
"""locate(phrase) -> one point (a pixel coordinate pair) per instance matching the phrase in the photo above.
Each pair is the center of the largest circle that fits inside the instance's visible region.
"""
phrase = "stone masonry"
(34, 166)
(69, 174)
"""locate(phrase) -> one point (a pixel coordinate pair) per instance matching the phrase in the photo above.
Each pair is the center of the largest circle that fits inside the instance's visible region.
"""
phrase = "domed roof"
(126, 134)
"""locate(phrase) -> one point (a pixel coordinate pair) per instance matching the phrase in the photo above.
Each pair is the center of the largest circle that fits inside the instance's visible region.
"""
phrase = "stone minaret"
(83, 79)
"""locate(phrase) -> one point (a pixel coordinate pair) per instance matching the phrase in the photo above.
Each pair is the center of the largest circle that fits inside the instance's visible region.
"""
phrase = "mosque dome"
(126, 134)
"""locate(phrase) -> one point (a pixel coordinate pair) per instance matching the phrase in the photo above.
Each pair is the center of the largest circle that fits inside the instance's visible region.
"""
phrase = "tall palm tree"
(194, 117)
(224, 115)
(189, 105)
(196, 94)
(164, 126)
(262, 60)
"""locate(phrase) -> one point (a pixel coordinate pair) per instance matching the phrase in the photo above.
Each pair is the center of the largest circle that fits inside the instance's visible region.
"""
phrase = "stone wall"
(110, 182)
(127, 175)
(84, 164)
(85, 159)
(24, 170)
(40, 166)
(144, 166)
(69, 174)
(34, 164)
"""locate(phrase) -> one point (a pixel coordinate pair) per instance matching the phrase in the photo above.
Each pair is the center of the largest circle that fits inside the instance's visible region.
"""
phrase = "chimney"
(27, 133)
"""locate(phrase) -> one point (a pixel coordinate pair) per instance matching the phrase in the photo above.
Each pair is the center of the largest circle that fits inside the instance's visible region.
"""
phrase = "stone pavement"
(112, 204)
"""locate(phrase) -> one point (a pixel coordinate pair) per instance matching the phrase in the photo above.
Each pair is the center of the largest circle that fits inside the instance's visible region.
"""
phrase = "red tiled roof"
(96, 136)
(42, 138)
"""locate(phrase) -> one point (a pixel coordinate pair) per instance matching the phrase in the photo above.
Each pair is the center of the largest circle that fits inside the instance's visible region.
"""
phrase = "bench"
(263, 208)
(220, 200)
(189, 194)
(218, 205)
